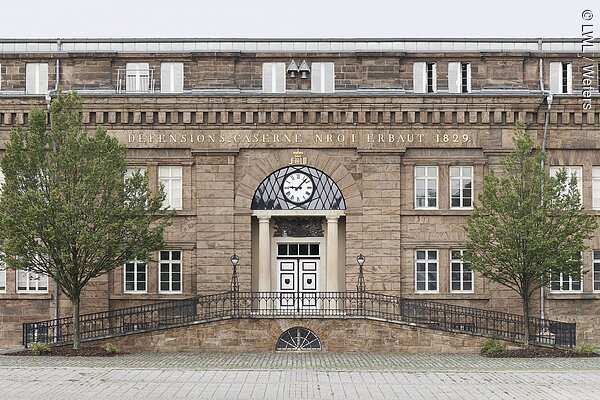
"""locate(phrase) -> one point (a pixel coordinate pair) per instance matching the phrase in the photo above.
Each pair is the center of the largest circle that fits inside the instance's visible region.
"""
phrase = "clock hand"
(300, 185)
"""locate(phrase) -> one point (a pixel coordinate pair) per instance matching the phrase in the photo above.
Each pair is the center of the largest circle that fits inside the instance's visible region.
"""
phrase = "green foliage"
(527, 225)
(110, 348)
(491, 346)
(586, 349)
(66, 210)
(39, 349)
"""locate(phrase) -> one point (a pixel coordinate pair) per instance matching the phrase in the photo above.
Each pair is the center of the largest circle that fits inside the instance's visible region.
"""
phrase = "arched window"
(298, 339)
(273, 194)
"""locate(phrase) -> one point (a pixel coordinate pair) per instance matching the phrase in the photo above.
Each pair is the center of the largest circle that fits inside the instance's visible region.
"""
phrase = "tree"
(66, 210)
(528, 227)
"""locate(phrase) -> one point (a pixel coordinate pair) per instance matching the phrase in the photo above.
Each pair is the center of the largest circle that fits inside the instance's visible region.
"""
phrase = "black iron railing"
(112, 323)
(367, 305)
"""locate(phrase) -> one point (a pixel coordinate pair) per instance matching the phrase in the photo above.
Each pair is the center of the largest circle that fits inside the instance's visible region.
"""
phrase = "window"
(426, 187)
(170, 271)
(431, 78)
(459, 77)
(171, 77)
(461, 274)
(461, 187)
(566, 283)
(130, 171)
(424, 77)
(322, 78)
(576, 171)
(561, 77)
(29, 281)
(36, 78)
(137, 77)
(596, 188)
(135, 274)
(2, 278)
(426, 270)
(170, 178)
(596, 270)
(273, 79)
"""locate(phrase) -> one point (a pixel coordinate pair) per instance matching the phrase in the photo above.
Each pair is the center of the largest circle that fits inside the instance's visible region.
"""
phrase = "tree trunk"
(76, 339)
(525, 300)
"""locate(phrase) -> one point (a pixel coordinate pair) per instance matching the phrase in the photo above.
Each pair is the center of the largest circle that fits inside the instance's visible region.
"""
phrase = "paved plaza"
(298, 376)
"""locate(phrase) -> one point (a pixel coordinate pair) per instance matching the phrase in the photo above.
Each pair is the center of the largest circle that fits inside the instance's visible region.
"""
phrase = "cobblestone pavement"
(298, 376)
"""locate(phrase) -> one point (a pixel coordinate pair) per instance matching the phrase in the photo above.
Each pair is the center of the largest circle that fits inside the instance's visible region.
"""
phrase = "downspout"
(58, 50)
(548, 97)
(49, 101)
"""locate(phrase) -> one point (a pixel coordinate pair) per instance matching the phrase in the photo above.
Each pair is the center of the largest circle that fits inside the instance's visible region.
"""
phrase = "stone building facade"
(297, 155)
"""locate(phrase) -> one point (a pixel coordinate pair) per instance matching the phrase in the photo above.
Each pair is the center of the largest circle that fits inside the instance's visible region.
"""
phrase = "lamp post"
(360, 287)
(235, 286)
(361, 278)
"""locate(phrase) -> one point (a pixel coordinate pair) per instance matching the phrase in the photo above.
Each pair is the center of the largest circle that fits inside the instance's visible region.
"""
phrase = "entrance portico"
(330, 272)
(299, 241)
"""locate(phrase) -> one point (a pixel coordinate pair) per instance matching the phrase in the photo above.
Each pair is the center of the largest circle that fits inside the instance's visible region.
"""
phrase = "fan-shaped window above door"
(298, 187)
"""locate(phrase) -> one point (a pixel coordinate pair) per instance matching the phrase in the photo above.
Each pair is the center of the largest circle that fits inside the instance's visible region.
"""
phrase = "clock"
(298, 187)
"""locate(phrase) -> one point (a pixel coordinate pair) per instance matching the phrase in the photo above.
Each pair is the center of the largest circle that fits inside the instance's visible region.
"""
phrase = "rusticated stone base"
(261, 335)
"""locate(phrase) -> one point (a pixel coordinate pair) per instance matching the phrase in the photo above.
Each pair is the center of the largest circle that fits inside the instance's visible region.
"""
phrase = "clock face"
(298, 187)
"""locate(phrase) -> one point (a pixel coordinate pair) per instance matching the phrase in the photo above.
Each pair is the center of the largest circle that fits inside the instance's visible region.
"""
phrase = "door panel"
(298, 281)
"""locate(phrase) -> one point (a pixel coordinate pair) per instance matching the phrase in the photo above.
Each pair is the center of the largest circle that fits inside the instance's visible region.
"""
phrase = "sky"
(293, 18)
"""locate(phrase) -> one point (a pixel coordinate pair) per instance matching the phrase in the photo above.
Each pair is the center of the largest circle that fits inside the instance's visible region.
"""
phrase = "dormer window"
(36, 78)
(459, 77)
(322, 77)
(561, 77)
(273, 78)
(424, 77)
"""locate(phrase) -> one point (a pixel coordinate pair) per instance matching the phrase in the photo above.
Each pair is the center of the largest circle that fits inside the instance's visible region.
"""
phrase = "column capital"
(332, 219)
(263, 218)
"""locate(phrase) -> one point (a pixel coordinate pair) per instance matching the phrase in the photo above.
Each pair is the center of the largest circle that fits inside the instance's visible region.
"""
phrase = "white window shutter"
(469, 78)
(329, 77)
(419, 77)
(31, 74)
(454, 77)
(43, 78)
(555, 75)
(434, 72)
(279, 77)
(177, 77)
(569, 78)
(267, 78)
(166, 81)
(315, 77)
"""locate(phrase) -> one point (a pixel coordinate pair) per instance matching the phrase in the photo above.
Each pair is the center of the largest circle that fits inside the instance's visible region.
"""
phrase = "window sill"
(435, 211)
(446, 296)
(182, 213)
(149, 296)
(25, 296)
(573, 296)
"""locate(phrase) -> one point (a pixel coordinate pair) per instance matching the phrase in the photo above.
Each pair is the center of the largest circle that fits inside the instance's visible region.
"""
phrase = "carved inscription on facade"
(232, 139)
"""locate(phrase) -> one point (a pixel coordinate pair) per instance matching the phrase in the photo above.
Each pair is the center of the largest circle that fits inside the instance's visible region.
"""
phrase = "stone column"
(332, 254)
(264, 254)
